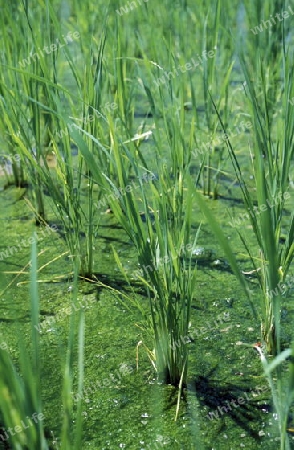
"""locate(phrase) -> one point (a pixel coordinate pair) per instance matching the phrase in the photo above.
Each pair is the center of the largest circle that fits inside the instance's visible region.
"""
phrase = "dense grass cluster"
(136, 109)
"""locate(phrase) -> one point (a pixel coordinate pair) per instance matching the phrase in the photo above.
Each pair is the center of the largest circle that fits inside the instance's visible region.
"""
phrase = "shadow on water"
(227, 399)
(218, 264)
(60, 229)
(143, 115)
(24, 319)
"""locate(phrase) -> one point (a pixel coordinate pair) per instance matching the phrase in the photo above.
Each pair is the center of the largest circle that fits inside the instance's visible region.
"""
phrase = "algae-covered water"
(227, 404)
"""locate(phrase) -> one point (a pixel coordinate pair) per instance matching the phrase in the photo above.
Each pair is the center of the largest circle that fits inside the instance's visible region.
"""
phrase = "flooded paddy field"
(146, 239)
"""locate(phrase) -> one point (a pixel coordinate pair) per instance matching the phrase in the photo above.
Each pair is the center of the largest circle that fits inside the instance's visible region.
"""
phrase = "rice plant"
(268, 32)
(282, 390)
(216, 41)
(162, 235)
(48, 134)
(271, 164)
(20, 386)
(9, 81)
